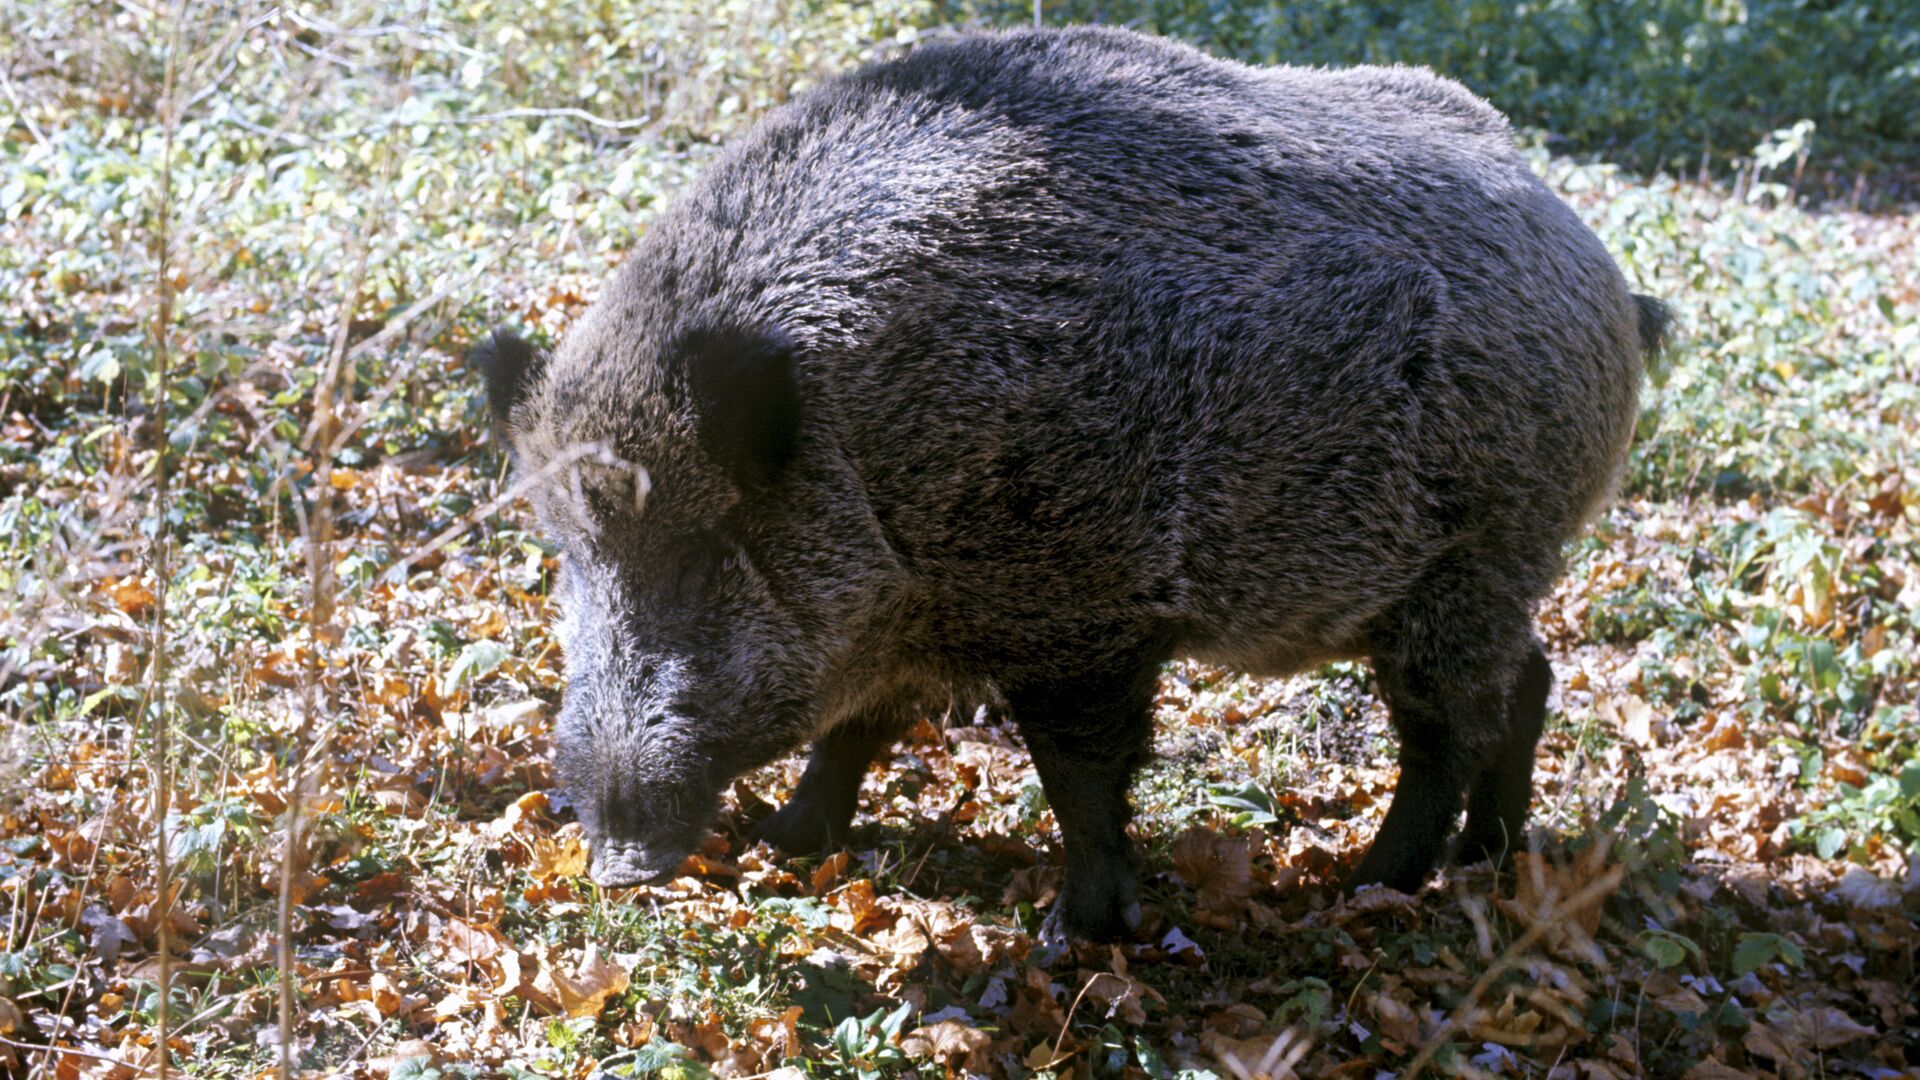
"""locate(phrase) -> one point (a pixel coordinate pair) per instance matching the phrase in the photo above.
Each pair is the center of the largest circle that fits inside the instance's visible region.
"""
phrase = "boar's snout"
(619, 863)
(643, 781)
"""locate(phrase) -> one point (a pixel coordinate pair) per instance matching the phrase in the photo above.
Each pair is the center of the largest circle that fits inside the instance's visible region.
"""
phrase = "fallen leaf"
(564, 855)
(466, 943)
(1396, 1020)
(1121, 996)
(1218, 868)
(1821, 1027)
(955, 1045)
(1711, 1069)
(580, 989)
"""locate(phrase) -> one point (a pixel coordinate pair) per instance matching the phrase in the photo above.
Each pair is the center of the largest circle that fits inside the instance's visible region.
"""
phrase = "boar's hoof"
(1406, 877)
(1093, 914)
(619, 863)
(801, 828)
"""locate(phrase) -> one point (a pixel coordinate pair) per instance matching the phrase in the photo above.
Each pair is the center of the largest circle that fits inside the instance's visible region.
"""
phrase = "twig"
(562, 113)
(33, 129)
(308, 22)
(565, 112)
(1600, 886)
(319, 542)
(162, 537)
(39, 1049)
(399, 324)
(560, 461)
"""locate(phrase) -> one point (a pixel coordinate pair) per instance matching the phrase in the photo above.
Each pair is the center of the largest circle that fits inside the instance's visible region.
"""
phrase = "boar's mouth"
(620, 863)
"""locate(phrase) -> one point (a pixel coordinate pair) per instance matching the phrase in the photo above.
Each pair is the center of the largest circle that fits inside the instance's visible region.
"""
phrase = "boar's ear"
(746, 400)
(509, 366)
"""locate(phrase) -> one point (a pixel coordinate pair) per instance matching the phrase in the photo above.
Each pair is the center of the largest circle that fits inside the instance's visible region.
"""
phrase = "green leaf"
(1823, 668)
(1032, 801)
(415, 1068)
(1831, 841)
(101, 365)
(891, 1024)
(847, 1037)
(1665, 948)
(1249, 803)
(661, 1058)
(1754, 951)
(1148, 1057)
(476, 661)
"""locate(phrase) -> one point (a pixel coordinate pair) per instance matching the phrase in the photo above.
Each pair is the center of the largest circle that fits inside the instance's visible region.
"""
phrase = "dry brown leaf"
(778, 1036)
(130, 596)
(710, 1037)
(1219, 868)
(1621, 1049)
(1396, 1020)
(1763, 1041)
(387, 995)
(1821, 1027)
(1120, 995)
(635, 1033)
(1889, 1000)
(1261, 1057)
(564, 855)
(520, 814)
(1374, 901)
(466, 943)
(975, 947)
(903, 943)
(863, 912)
(1727, 734)
(1564, 902)
(580, 989)
(1035, 1009)
(1710, 1069)
(1036, 885)
(952, 1044)
(462, 999)
(827, 874)
(1050, 1055)
(411, 1050)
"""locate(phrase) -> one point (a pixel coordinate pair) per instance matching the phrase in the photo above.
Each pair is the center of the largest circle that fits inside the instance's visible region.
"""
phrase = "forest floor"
(1722, 876)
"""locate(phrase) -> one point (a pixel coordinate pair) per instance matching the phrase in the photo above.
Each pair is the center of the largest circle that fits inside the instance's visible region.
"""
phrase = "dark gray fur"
(1034, 359)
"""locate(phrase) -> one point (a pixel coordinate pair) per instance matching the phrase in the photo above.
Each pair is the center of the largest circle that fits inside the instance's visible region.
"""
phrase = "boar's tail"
(1656, 319)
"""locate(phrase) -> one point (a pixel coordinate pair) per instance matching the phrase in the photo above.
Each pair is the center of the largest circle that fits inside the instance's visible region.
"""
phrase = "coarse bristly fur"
(1033, 359)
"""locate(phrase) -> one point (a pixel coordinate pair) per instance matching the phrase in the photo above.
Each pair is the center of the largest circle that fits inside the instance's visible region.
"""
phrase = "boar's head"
(664, 469)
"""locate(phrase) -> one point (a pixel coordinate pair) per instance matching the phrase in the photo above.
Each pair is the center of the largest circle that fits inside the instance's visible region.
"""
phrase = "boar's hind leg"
(820, 812)
(1498, 800)
(1087, 737)
(1447, 676)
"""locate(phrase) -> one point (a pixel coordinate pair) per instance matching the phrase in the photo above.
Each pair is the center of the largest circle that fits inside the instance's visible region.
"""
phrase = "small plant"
(870, 1047)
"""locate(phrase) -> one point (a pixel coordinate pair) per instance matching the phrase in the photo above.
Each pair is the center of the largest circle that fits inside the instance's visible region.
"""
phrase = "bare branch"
(33, 129)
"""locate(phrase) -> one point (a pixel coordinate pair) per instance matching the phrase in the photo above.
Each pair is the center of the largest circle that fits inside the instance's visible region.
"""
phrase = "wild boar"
(1030, 360)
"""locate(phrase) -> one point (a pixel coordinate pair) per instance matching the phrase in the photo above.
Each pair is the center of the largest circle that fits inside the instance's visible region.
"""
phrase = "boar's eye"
(693, 567)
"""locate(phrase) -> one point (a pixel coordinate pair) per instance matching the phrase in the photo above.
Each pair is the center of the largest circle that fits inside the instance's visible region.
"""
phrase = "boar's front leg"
(1087, 736)
(821, 810)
